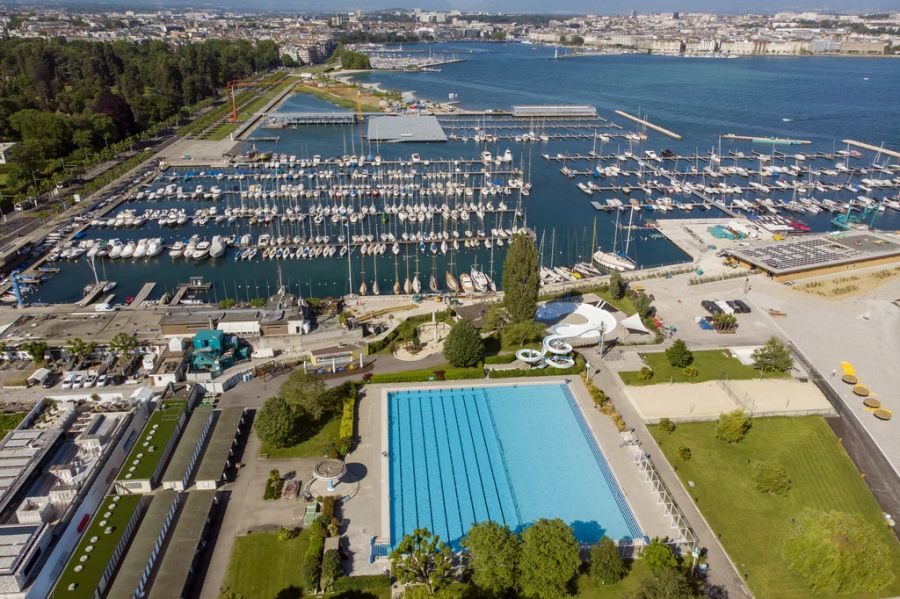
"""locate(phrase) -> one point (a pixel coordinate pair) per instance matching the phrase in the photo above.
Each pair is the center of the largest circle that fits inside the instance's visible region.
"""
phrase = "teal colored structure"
(214, 351)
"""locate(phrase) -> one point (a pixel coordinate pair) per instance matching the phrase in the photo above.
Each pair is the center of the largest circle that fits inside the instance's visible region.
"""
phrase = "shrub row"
(348, 414)
(312, 561)
(419, 376)
(500, 359)
(548, 371)
(362, 583)
(602, 402)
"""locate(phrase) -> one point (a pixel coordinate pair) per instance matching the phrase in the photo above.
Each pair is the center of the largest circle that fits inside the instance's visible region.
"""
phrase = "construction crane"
(850, 220)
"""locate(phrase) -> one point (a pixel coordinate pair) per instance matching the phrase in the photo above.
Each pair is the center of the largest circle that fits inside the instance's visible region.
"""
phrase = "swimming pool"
(512, 454)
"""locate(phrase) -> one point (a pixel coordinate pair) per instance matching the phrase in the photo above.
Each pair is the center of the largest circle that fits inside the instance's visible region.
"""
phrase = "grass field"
(9, 421)
(711, 364)
(311, 447)
(263, 566)
(753, 526)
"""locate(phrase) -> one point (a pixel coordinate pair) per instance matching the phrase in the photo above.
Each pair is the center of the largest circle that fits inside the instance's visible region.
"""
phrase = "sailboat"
(376, 290)
(613, 260)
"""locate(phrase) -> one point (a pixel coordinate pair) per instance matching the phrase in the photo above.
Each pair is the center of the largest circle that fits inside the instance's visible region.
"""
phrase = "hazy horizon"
(507, 6)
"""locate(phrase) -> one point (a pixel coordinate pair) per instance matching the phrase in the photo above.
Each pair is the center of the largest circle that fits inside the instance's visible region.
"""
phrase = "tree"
(276, 423)
(123, 344)
(724, 322)
(549, 559)
(81, 349)
(667, 583)
(36, 350)
(732, 426)
(496, 318)
(607, 566)
(463, 346)
(658, 555)
(616, 285)
(331, 568)
(837, 553)
(521, 282)
(422, 558)
(771, 477)
(666, 425)
(306, 393)
(494, 552)
(684, 453)
(645, 373)
(679, 355)
(520, 333)
(643, 304)
(774, 356)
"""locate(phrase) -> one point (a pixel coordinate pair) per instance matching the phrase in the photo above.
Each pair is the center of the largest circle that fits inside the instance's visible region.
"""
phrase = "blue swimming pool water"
(510, 454)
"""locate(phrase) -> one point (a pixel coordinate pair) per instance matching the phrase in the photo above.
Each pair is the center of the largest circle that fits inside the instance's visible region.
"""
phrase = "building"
(184, 460)
(217, 463)
(148, 456)
(5, 147)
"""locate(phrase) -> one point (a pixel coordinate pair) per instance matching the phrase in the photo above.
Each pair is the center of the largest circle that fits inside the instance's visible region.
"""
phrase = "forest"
(68, 103)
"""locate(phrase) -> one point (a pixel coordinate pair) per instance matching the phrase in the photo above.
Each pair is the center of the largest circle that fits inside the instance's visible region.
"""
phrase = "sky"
(517, 6)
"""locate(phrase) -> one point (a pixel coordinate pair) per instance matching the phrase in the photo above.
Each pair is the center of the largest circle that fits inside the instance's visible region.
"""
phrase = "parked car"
(101, 380)
(89, 381)
(68, 381)
(78, 383)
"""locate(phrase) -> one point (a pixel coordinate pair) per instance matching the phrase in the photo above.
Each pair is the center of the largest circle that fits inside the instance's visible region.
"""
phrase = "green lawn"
(312, 446)
(712, 364)
(753, 526)
(9, 421)
(262, 566)
(588, 589)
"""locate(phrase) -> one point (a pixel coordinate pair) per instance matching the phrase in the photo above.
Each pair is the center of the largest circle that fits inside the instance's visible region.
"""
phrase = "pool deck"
(368, 513)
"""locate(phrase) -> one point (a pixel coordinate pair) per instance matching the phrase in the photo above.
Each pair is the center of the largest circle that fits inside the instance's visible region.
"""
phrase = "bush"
(667, 425)
(691, 372)
(684, 453)
(286, 534)
(457, 374)
(312, 561)
(348, 418)
(274, 484)
(463, 346)
(645, 374)
(658, 555)
(678, 355)
(607, 566)
(331, 568)
(771, 477)
(732, 426)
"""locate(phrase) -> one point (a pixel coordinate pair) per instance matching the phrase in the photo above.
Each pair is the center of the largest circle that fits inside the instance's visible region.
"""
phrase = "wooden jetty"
(142, 295)
(92, 294)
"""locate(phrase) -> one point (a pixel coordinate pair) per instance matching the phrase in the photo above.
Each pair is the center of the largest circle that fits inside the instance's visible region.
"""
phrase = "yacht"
(177, 249)
(217, 247)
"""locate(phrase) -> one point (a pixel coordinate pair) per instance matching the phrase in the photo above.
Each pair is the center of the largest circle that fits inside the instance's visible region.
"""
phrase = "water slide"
(585, 325)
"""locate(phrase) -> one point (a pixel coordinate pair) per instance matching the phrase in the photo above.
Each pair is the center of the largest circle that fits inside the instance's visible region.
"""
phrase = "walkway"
(722, 571)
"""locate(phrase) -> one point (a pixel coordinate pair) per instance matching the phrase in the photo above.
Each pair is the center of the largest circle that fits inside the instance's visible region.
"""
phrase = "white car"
(78, 383)
(89, 381)
(68, 381)
(101, 380)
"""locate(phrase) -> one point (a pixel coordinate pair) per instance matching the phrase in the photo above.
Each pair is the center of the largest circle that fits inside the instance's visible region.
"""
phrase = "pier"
(648, 124)
(195, 284)
(782, 141)
(92, 294)
(872, 148)
(142, 295)
(281, 120)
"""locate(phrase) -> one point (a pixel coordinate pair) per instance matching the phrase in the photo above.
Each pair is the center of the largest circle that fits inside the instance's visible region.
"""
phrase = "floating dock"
(142, 295)
(780, 141)
(92, 294)
(648, 124)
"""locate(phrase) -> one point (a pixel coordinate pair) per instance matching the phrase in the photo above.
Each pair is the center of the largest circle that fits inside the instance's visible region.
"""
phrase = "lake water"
(821, 99)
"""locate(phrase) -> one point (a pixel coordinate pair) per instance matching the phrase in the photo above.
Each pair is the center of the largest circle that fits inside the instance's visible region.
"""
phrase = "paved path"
(721, 571)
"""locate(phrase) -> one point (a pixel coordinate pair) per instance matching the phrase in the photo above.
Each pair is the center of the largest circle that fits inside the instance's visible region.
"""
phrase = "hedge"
(312, 562)
(547, 371)
(348, 413)
(421, 376)
(362, 583)
(501, 359)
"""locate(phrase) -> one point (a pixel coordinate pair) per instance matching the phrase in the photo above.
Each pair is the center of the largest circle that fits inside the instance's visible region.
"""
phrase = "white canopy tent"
(634, 324)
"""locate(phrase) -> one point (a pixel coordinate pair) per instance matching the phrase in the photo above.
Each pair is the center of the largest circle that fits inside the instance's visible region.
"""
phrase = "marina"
(329, 209)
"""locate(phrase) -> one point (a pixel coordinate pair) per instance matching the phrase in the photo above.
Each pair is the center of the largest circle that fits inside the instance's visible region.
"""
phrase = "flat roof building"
(144, 464)
(399, 128)
(218, 457)
(186, 455)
